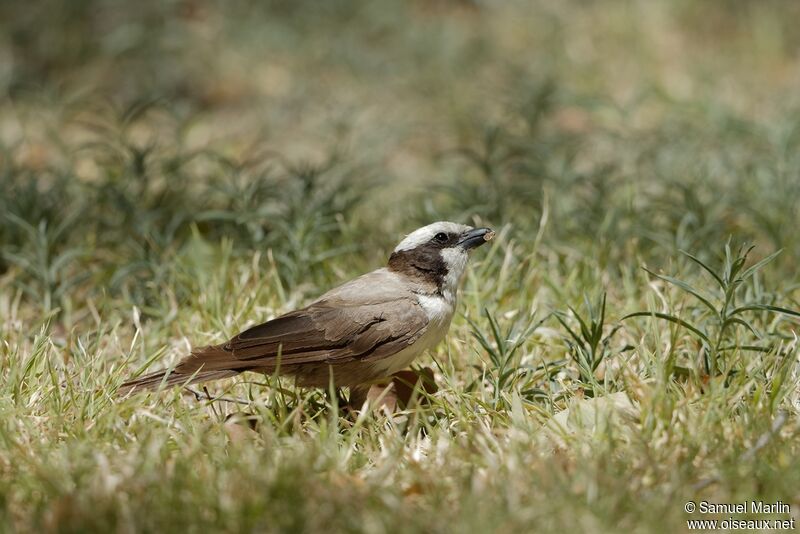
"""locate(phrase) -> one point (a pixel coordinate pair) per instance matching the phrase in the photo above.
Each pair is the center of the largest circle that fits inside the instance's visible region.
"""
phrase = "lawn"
(172, 172)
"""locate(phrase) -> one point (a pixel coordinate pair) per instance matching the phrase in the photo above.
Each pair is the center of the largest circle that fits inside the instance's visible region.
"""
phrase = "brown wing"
(328, 331)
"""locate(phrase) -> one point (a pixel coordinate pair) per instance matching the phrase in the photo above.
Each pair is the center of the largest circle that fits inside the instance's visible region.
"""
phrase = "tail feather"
(155, 380)
(203, 364)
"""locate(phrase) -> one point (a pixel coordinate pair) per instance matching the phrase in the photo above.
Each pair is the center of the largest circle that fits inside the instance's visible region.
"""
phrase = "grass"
(174, 173)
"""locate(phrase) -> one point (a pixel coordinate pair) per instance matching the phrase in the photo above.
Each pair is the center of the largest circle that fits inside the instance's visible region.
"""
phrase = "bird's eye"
(441, 237)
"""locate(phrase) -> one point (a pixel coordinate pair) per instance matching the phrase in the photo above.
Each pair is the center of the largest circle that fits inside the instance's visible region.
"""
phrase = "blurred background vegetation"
(318, 129)
(174, 170)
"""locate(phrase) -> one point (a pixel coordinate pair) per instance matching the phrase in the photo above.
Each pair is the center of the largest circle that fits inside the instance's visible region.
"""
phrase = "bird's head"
(436, 255)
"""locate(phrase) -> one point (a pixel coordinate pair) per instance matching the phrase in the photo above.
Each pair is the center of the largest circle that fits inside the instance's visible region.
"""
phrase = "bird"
(362, 331)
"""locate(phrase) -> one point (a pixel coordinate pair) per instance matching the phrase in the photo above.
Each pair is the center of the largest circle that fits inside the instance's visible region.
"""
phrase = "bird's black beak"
(475, 238)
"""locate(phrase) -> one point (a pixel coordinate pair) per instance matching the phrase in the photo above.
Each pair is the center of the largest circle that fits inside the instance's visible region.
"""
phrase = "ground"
(173, 172)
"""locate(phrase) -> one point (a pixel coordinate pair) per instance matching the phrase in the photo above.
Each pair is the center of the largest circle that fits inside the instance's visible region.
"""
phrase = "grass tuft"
(174, 172)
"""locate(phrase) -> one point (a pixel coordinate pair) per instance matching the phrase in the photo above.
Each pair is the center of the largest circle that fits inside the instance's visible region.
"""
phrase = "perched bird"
(367, 329)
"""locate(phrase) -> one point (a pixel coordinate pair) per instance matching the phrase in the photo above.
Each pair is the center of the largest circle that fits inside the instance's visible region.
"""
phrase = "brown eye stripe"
(424, 264)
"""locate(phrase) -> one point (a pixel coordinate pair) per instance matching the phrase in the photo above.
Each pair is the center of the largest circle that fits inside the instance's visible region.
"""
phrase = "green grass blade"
(689, 289)
(672, 319)
(705, 267)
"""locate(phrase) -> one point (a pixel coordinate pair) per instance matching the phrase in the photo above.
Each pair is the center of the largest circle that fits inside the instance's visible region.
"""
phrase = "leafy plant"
(50, 272)
(506, 373)
(721, 316)
(587, 345)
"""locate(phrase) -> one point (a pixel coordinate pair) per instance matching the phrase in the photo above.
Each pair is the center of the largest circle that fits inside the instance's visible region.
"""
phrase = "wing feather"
(367, 318)
(325, 333)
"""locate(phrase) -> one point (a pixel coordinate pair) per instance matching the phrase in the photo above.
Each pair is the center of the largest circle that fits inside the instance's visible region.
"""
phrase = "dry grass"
(172, 172)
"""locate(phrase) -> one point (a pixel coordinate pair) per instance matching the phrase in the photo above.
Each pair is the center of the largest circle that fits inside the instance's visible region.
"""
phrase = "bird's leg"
(206, 396)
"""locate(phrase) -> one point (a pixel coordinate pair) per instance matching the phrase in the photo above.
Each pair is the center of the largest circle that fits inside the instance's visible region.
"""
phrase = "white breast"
(438, 308)
(439, 311)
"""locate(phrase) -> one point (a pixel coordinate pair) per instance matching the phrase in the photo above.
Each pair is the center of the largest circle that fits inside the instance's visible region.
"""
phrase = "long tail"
(203, 364)
(154, 380)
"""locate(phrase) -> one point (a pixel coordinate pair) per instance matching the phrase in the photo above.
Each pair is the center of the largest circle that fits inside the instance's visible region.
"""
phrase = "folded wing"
(355, 323)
